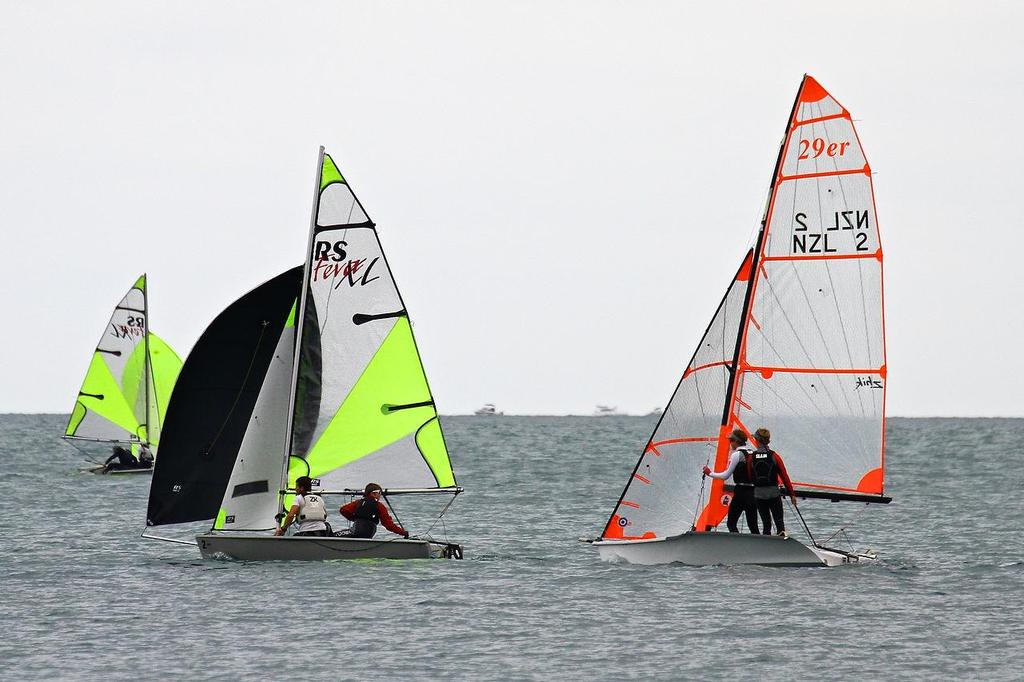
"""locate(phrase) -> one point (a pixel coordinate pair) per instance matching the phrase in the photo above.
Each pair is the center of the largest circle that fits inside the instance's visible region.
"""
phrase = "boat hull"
(293, 548)
(100, 470)
(723, 549)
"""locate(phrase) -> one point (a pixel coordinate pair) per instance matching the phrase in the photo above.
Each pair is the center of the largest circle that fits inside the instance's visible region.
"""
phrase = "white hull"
(723, 549)
(292, 548)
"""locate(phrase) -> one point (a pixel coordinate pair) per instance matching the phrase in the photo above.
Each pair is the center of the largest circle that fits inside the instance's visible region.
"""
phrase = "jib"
(323, 251)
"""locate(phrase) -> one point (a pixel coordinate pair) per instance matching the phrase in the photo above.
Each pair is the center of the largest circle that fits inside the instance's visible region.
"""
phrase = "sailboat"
(314, 373)
(797, 344)
(128, 384)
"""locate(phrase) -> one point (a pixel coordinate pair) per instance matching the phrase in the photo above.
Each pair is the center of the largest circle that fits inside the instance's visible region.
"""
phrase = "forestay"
(797, 345)
(129, 381)
(363, 410)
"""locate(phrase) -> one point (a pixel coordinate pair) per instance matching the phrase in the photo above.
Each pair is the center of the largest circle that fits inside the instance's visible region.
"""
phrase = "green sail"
(112, 403)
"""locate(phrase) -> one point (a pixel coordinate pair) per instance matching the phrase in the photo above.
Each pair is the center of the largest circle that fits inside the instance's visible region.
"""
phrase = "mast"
(148, 365)
(300, 314)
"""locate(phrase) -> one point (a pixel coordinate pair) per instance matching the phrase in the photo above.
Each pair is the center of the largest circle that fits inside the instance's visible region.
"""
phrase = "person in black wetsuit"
(366, 513)
(125, 460)
(768, 473)
(739, 468)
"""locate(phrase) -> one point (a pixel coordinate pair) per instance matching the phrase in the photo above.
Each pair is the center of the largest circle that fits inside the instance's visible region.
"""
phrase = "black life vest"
(764, 469)
(367, 516)
(367, 510)
(742, 474)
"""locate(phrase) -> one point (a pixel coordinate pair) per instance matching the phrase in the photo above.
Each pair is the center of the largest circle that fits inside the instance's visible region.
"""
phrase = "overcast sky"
(562, 189)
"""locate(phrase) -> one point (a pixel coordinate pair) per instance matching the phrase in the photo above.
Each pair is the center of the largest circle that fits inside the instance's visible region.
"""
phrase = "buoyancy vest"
(367, 516)
(742, 474)
(313, 508)
(764, 469)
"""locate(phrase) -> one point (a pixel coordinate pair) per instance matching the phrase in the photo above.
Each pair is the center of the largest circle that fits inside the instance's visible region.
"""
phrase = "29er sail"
(797, 344)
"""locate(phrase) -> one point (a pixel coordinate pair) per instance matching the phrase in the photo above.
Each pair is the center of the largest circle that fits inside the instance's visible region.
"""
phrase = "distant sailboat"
(797, 344)
(314, 373)
(128, 384)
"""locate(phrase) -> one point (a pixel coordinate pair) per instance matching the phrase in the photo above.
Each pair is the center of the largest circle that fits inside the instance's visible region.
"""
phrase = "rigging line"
(801, 516)
(848, 524)
(440, 517)
(241, 389)
(393, 512)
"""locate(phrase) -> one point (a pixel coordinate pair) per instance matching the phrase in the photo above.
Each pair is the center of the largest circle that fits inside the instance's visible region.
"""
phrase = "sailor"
(768, 472)
(309, 509)
(739, 468)
(125, 460)
(145, 457)
(366, 513)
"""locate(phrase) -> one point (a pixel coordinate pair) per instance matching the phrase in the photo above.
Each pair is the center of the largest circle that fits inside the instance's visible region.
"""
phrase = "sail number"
(855, 221)
(819, 146)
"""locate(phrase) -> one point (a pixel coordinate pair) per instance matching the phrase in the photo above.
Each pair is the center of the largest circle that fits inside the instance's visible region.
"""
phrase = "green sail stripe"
(430, 441)
(362, 425)
(140, 283)
(165, 365)
(290, 322)
(113, 407)
(329, 173)
(77, 415)
(133, 388)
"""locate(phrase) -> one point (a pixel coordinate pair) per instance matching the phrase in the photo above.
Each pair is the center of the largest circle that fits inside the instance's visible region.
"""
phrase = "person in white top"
(739, 468)
(309, 509)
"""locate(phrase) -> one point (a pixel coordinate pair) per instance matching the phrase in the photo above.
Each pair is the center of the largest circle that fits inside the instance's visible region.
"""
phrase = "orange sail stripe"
(684, 440)
(627, 503)
(690, 371)
(768, 371)
(866, 170)
(877, 255)
(844, 114)
(801, 484)
(642, 479)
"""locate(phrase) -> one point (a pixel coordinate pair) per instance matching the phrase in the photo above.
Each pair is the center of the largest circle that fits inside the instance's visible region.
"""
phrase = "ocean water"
(83, 597)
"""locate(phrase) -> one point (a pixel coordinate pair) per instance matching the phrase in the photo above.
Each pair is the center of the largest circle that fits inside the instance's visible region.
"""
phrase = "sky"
(563, 189)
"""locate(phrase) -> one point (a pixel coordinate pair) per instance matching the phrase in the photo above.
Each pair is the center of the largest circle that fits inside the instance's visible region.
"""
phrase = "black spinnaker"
(213, 402)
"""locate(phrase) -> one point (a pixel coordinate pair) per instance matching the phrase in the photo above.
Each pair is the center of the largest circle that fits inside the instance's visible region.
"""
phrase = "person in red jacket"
(366, 513)
(768, 472)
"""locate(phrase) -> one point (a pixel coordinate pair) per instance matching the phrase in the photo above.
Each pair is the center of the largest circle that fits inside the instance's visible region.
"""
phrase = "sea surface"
(84, 597)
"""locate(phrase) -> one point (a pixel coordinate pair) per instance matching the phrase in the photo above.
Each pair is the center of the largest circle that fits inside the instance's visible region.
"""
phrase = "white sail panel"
(822, 216)
(352, 280)
(821, 313)
(666, 494)
(826, 427)
(251, 497)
